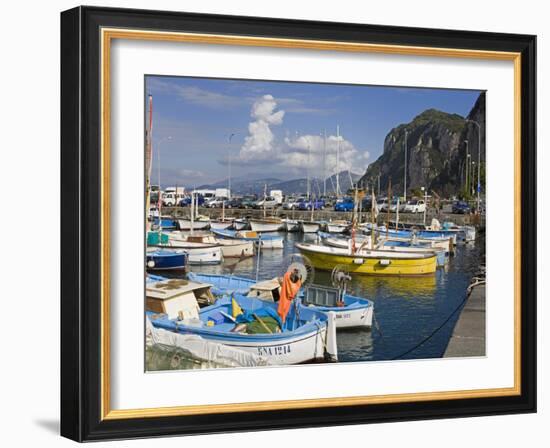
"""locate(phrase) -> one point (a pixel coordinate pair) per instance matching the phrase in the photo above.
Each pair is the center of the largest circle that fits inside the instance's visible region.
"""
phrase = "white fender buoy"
(150, 264)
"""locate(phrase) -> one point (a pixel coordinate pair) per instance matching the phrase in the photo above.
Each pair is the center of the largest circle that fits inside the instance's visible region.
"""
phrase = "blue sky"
(277, 126)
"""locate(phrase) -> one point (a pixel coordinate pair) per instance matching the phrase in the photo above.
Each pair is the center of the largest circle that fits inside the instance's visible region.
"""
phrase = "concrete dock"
(468, 338)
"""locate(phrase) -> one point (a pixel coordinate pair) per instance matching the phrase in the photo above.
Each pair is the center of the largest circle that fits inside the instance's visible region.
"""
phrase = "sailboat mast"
(324, 162)
(308, 168)
(372, 208)
(148, 162)
(192, 211)
(265, 198)
(389, 206)
(337, 160)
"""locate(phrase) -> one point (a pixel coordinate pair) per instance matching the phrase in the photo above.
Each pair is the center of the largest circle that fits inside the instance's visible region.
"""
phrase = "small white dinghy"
(199, 253)
(291, 225)
(199, 223)
(230, 248)
(266, 225)
(337, 226)
(309, 226)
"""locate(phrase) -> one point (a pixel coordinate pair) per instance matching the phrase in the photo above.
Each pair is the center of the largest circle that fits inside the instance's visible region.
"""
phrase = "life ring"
(150, 264)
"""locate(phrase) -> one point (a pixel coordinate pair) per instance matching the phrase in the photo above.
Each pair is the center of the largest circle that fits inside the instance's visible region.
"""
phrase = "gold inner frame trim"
(107, 35)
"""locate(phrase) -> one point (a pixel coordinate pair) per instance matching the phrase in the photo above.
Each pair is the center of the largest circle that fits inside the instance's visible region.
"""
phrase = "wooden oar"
(262, 323)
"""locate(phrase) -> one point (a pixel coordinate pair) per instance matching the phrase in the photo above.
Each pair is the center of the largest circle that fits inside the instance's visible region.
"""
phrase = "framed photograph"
(277, 224)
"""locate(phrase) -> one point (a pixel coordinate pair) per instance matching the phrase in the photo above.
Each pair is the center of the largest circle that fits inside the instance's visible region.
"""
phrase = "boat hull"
(309, 227)
(375, 265)
(240, 225)
(198, 253)
(359, 318)
(220, 225)
(166, 260)
(185, 224)
(336, 228)
(306, 343)
(236, 249)
(292, 225)
(262, 226)
(267, 242)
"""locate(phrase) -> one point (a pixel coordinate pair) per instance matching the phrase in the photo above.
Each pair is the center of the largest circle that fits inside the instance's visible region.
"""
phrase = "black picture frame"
(82, 208)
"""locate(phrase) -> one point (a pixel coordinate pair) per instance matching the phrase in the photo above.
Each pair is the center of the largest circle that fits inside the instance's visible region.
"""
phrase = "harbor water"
(415, 316)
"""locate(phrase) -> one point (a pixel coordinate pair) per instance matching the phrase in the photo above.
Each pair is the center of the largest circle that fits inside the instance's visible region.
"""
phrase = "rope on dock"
(477, 280)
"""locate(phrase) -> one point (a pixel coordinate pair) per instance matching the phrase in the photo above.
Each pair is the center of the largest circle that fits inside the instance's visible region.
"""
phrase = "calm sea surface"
(407, 310)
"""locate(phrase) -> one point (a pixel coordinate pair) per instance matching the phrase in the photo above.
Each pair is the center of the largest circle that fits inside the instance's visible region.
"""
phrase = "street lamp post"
(478, 161)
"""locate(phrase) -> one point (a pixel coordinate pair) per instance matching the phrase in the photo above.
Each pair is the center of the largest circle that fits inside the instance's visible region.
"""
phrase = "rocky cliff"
(438, 145)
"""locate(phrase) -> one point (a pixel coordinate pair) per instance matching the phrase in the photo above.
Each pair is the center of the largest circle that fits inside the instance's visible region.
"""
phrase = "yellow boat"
(370, 262)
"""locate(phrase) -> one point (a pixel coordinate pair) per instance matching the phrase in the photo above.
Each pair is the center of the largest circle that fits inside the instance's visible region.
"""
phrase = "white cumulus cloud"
(321, 156)
(333, 154)
(258, 145)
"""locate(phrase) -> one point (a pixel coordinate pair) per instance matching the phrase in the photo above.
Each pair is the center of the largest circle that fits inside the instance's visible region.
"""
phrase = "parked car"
(461, 207)
(415, 206)
(316, 204)
(170, 199)
(216, 203)
(344, 205)
(290, 203)
(366, 204)
(382, 205)
(249, 201)
(234, 203)
(394, 205)
(186, 202)
(268, 202)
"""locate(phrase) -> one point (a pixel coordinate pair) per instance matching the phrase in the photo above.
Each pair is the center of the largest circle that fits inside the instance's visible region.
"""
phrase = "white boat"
(266, 225)
(199, 253)
(221, 224)
(291, 225)
(337, 226)
(230, 248)
(240, 224)
(309, 226)
(349, 311)
(200, 223)
(266, 241)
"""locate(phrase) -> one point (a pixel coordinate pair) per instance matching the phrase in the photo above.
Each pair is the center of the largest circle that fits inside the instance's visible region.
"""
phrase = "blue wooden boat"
(267, 241)
(306, 336)
(159, 259)
(353, 312)
(420, 233)
(166, 222)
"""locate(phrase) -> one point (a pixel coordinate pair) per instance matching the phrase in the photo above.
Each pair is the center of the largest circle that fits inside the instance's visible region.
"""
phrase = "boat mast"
(148, 162)
(160, 190)
(192, 210)
(308, 168)
(354, 222)
(324, 162)
(265, 198)
(389, 206)
(372, 208)
(337, 160)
